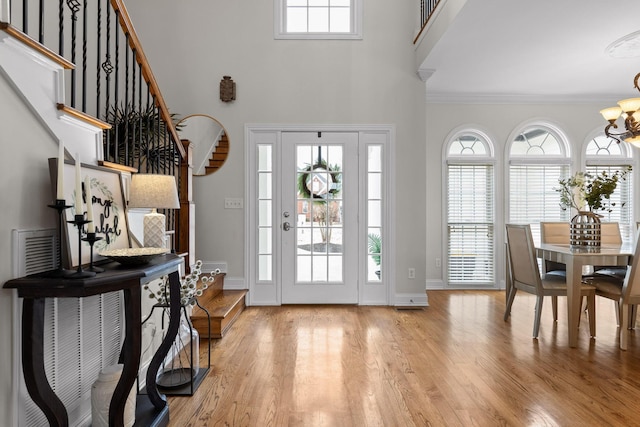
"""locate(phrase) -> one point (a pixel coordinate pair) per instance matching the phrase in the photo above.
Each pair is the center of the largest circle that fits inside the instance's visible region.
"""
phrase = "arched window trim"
(553, 129)
(479, 158)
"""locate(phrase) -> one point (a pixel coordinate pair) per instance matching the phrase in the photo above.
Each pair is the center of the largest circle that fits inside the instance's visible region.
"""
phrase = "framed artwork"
(108, 208)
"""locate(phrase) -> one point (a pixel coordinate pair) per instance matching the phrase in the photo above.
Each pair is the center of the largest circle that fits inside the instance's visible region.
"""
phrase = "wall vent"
(35, 251)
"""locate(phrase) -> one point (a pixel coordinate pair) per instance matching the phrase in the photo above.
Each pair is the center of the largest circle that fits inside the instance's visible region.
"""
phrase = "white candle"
(78, 206)
(59, 186)
(91, 228)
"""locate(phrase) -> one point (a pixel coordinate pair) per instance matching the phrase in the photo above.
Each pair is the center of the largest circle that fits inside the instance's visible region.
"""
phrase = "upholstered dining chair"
(625, 292)
(555, 233)
(525, 276)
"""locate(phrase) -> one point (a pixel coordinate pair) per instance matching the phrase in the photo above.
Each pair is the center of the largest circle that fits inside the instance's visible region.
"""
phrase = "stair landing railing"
(427, 7)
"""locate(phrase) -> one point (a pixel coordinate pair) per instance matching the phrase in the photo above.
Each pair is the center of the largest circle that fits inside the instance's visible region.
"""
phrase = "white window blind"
(533, 197)
(603, 154)
(470, 228)
(620, 202)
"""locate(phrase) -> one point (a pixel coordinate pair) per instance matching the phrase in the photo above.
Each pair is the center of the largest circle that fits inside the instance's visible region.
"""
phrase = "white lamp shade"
(611, 114)
(153, 191)
(629, 105)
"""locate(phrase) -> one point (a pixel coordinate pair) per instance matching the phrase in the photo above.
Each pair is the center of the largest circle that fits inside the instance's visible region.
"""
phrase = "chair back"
(554, 233)
(522, 256)
(610, 233)
(631, 285)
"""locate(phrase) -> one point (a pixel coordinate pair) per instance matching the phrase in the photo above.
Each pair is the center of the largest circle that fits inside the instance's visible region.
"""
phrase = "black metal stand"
(79, 222)
(171, 386)
(92, 238)
(60, 205)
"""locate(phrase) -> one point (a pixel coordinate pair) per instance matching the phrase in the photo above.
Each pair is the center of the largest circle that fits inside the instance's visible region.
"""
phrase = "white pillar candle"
(59, 185)
(78, 205)
(91, 228)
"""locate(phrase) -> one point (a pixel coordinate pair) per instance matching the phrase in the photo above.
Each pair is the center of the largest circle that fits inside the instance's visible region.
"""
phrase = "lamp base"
(154, 230)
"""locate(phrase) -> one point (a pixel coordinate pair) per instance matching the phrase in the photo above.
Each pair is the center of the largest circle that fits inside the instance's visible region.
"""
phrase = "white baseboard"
(411, 300)
(434, 284)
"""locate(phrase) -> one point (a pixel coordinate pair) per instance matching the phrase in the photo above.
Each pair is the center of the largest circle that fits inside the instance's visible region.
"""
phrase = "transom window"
(318, 19)
(470, 211)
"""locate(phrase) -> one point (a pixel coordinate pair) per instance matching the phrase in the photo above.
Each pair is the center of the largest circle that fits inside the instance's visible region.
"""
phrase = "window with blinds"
(470, 212)
(605, 155)
(538, 160)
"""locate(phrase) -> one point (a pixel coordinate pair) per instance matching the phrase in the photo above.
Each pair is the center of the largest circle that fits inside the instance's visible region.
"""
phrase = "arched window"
(470, 210)
(603, 154)
(538, 158)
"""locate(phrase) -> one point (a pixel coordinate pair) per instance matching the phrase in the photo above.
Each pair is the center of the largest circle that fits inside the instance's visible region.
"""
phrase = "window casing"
(538, 158)
(470, 177)
(604, 154)
(318, 19)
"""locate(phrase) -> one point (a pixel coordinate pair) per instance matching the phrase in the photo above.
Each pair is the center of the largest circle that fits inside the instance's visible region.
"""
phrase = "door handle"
(286, 226)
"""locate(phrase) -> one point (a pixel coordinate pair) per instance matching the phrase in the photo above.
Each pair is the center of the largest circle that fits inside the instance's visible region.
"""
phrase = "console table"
(152, 408)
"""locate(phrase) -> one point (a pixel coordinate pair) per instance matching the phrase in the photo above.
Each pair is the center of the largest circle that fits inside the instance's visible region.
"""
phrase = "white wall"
(576, 121)
(369, 81)
(25, 189)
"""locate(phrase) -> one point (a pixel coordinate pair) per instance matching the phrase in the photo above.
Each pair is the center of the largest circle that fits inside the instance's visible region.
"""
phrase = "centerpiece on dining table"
(588, 193)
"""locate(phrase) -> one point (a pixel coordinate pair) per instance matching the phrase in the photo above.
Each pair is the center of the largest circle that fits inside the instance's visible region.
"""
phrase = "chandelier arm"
(635, 81)
(611, 135)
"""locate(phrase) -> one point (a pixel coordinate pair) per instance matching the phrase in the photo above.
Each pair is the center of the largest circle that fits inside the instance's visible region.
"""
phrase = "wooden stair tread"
(223, 307)
(222, 304)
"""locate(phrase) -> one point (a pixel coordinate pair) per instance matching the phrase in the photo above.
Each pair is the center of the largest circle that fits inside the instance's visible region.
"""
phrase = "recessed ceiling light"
(625, 47)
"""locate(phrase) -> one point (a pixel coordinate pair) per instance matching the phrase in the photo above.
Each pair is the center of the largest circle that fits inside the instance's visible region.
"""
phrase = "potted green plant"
(375, 248)
(584, 190)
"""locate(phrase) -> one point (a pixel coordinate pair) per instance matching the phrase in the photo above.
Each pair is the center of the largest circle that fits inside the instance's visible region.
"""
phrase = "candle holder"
(60, 205)
(79, 222)
(92, 238)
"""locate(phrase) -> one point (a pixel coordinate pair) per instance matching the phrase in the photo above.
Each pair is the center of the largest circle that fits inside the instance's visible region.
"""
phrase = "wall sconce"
(227, 89)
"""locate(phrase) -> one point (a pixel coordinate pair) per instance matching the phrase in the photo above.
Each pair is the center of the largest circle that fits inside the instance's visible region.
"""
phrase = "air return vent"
(34, 251)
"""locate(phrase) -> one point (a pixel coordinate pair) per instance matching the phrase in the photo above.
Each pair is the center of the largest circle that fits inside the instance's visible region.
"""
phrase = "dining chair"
(525, 276)
(558, 233)
(610, 234)
(625, 292)
(555, 233)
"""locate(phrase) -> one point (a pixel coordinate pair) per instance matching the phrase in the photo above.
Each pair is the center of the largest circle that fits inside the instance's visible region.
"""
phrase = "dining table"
(575, 257)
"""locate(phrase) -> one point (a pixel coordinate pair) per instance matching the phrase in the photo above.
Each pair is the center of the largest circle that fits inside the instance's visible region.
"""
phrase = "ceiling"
(535, 51)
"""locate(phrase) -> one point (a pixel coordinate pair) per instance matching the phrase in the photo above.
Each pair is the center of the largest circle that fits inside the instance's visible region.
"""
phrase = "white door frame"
(268, 292)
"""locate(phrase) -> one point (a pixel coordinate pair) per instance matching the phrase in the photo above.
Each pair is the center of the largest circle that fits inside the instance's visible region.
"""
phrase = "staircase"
(224, 307)
(218, 156)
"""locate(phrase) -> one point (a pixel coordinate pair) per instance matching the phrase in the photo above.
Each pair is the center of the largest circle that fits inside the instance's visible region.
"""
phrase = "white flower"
(188, 286)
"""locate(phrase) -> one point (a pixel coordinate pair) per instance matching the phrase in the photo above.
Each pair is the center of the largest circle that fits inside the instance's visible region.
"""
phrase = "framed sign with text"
(108, 208)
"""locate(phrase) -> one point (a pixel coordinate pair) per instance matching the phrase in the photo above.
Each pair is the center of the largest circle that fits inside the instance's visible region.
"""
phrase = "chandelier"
(629, 110)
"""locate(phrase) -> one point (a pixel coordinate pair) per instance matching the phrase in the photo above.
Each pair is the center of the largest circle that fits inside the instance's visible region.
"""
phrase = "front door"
(319, 217)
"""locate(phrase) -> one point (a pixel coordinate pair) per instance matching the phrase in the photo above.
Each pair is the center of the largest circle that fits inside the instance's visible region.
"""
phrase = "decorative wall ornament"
(227, 89)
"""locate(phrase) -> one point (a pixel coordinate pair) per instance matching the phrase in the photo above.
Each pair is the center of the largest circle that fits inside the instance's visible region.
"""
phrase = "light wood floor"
(455, 363)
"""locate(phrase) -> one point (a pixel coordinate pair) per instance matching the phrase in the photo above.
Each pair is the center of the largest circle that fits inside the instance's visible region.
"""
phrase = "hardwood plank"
(456, 363)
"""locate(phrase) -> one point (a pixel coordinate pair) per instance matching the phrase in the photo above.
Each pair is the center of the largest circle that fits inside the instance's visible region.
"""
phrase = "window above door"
(318, 19)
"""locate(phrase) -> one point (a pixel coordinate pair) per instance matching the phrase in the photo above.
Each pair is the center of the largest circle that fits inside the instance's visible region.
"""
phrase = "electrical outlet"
(233, 203)
(438, 263)
(412, 273)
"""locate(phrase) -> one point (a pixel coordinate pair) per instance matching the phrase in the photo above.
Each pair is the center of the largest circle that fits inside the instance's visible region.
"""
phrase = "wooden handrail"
(426, 21)
(134, 43)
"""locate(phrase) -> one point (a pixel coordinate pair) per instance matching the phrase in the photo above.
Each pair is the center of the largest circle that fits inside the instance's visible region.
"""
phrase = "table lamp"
(155, 192)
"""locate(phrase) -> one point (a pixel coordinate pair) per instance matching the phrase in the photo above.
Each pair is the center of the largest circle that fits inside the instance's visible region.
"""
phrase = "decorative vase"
(585, 230)
(101, 393)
